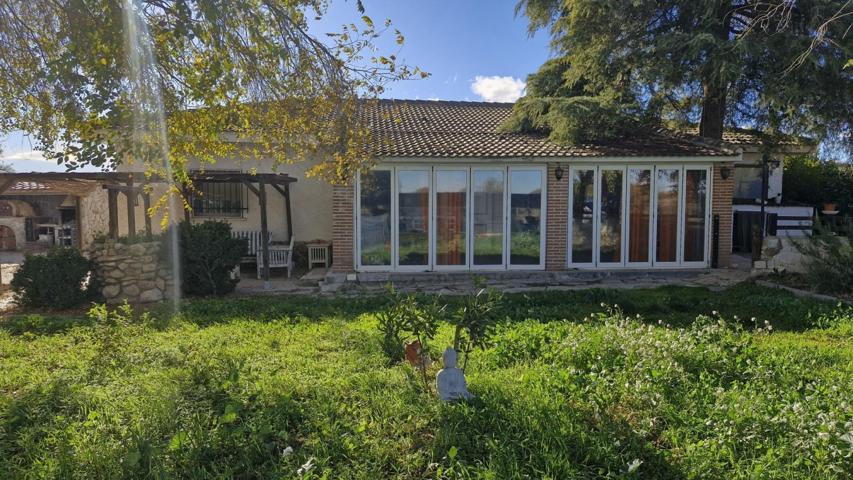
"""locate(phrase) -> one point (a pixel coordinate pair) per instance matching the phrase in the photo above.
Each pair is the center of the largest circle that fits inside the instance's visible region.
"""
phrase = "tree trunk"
(714, 87)
(713, 110)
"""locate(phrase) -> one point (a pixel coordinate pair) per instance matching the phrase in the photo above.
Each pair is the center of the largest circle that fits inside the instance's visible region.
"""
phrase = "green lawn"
(567, 389)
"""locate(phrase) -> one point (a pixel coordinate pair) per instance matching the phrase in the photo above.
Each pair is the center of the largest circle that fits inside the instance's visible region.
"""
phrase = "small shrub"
(62, 278)
(405, 318)
(208, 256)
(829, 262)
(475, 320)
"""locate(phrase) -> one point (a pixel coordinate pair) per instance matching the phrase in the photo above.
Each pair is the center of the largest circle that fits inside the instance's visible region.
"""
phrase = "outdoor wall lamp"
(725, 172)
(558, 172)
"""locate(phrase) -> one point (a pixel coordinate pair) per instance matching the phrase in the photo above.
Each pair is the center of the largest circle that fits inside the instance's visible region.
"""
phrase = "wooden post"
(112, 205)
(146, 204)
(130, 193)
(287, 210)
(265, 240)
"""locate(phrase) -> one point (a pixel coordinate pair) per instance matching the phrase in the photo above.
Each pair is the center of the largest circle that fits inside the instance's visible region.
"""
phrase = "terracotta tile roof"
(422, 128)
(748, 136)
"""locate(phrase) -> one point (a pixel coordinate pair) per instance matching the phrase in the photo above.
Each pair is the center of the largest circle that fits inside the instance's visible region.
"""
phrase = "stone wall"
(134, 272)
(782, 254)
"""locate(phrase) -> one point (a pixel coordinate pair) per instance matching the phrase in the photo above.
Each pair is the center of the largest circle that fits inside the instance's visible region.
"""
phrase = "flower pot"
(830, 207)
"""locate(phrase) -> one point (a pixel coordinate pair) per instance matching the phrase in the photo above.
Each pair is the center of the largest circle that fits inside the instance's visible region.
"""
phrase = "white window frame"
(434, 220)
(597, 216)
(651, 250)
(683, 212)
(504, 216)
(678, 229)
(570, 233)
(359, 265)
(395, 233)
(679, 262)
(543, 179)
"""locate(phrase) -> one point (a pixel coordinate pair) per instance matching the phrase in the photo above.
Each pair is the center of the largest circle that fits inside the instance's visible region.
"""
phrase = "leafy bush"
(405, 317)
(809, 180)
(475, 319)
(62, 278)
(208, 255)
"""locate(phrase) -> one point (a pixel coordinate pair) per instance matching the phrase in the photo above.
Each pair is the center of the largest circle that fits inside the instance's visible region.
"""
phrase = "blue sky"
(473, 49)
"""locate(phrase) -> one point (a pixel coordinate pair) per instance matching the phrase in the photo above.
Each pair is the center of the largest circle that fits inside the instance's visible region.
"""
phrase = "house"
(449, 192)
(783, 218)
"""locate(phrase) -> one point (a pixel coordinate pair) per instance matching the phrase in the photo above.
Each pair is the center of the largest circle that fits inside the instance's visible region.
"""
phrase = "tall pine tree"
(620, 64)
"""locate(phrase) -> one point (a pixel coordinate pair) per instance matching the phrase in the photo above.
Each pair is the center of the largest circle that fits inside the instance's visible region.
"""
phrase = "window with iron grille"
(220, 199)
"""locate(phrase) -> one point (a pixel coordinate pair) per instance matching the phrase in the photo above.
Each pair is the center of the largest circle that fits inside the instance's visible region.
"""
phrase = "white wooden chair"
(280, 257)
(254, 243)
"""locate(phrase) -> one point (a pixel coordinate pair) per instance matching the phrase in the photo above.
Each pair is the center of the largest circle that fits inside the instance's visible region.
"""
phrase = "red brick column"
(721, 204)
(343, 228)
(557, 217)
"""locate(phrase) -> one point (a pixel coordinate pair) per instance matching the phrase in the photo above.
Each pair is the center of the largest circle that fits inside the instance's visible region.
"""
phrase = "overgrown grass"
(567, 389)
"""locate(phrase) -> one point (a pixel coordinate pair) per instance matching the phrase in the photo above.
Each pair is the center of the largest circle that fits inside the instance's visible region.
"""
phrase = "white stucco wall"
(311, 203)
(94, 217)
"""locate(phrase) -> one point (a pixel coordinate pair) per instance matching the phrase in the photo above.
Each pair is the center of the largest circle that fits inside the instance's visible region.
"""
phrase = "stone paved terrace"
(463, 282)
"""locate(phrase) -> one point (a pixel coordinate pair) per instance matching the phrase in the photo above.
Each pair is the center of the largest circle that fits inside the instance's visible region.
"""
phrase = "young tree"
(686, 61)
(235, 70)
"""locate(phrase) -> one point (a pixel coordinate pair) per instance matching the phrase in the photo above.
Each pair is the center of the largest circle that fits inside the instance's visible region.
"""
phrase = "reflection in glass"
(610, 228)
(640, 195)
(413, 226)
(451, 192)
(695, 195)
(488, 187)
(375, 212)
(583, 187)
(666, 189)
(525, 215)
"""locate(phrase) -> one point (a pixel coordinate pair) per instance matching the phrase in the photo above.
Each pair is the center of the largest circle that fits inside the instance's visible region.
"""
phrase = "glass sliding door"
(374, 209)
(487, 220)
(667, 206)
(695, 214)
(639, 215)
(610, 216)
(413, 202)
(525, 217)
(582, 202)
(451, 209)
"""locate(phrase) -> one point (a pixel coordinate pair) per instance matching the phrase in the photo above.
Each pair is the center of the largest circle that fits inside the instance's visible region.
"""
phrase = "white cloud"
(23, 156)
(498, 89)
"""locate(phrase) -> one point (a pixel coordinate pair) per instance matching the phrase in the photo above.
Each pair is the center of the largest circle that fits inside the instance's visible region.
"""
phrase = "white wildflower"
(306, 467)
(634, 465)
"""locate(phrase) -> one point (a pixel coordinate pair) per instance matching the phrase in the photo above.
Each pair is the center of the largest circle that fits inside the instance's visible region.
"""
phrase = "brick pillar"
(557, 218)
(343, 228)
(721, 204)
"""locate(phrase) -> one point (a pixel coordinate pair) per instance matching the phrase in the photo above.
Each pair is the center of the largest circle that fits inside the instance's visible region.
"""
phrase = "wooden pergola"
(134, 184)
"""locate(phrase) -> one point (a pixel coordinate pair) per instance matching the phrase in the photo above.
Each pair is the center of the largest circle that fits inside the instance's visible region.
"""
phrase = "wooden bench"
(254, 243)
(280, 257)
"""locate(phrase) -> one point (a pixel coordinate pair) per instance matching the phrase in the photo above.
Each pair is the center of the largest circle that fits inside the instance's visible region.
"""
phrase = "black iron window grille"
(220, 199)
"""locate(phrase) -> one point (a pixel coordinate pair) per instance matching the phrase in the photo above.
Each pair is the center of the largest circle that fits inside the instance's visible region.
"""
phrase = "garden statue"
(450, 381)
